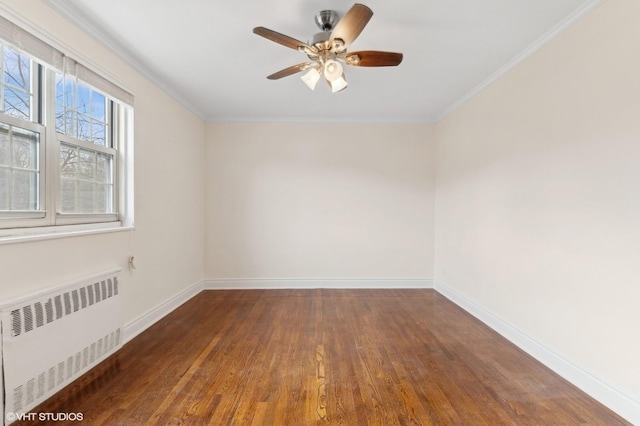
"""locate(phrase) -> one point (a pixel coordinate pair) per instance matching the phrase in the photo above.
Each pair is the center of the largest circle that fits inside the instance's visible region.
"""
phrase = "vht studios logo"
(44, 417)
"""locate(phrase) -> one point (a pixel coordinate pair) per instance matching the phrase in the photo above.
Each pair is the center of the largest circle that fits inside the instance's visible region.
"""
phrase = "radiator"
(51, 338)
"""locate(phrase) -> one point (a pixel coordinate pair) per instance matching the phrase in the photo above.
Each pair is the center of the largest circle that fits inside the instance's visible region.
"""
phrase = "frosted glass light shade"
(332, 70)
(311, 78)
(338, 84)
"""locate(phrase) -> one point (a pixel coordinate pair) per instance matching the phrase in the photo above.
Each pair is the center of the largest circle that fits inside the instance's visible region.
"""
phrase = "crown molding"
(538, 44)
(74, 15)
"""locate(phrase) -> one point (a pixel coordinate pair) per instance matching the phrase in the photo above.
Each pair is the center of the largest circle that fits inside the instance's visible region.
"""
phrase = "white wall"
(319, 200)
(167, 242)
(538, 196)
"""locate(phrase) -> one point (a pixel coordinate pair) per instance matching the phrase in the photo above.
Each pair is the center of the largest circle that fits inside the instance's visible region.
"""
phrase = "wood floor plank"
(324, 357)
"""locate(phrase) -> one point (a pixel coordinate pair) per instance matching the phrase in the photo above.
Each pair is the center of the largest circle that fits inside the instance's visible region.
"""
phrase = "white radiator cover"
(51, 338)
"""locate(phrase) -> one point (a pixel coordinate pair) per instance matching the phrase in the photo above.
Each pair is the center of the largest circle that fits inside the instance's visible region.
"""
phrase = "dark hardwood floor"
(297, 357)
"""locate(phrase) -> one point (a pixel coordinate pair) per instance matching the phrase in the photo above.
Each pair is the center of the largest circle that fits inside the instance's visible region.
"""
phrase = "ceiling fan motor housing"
(326, 20)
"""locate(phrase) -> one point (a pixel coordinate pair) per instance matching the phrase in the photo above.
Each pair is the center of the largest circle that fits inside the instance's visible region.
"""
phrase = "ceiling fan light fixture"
(338, 84)
(333, 70)
(311, 78)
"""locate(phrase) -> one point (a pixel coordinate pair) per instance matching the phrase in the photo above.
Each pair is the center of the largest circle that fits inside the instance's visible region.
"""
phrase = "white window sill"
(22, 235)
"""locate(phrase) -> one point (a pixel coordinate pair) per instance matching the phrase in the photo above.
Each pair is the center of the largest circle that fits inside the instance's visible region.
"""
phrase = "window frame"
(112, 142)
(49, 220)
(27, 218)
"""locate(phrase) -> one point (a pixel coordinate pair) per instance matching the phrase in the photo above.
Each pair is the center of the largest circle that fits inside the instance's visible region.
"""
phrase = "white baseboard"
(146, 320)
(616, 400)
(311, 283)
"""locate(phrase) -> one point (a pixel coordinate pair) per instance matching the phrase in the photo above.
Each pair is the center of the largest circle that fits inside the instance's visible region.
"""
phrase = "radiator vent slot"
(24, 395)
(63, 304)
(52, 338)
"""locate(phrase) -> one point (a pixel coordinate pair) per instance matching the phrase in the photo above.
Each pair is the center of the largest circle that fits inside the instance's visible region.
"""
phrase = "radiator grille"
(24, 395)
(52, 338)
(22, 318)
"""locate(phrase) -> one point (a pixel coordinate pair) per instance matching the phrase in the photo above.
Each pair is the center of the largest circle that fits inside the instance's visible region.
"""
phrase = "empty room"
(320, 212)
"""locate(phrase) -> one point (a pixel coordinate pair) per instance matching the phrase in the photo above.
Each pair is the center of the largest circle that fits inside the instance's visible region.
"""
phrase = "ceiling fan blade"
(352, 24)
(373, 58)
(282, 39)
(288, 71)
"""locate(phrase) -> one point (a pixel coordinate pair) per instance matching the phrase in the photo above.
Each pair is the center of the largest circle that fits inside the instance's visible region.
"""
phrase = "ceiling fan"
(327, 51)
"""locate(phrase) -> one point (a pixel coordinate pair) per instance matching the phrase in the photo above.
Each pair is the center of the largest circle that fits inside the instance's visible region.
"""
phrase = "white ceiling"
(204, 53)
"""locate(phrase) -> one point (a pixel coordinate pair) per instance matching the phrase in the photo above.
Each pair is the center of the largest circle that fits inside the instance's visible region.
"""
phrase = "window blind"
(51, 56)
(73, 67)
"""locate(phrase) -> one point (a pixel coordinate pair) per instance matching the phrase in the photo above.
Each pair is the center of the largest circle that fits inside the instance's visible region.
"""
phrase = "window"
(21, 154)
(87, 151)
(19, 169)
(65, 139)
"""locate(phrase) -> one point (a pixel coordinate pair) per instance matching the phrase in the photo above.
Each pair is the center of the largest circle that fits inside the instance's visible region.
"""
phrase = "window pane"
(87, 180)
(19, 168)
(68, 93)
(17, 69)
(17, 103)
(103, 169)
(5, 148)
(59, 90)
(5, 184)
(98, 104)
(98, 131)
(25, 151)
(81, 112)
(60, 120)
(15, 93)
(69, 123)
(103, 198)
(68, 161)
(24, 196)
(84, 99)
(84, 128)
(87, 164)
(86, 192)
(68, 195)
